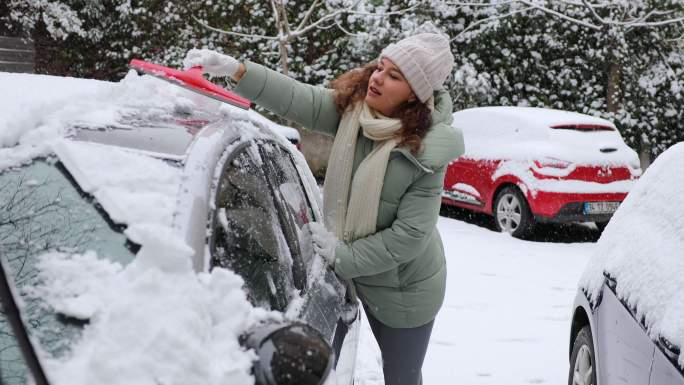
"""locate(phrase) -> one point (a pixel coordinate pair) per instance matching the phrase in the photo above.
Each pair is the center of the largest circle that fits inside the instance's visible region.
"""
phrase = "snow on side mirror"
(289, 354)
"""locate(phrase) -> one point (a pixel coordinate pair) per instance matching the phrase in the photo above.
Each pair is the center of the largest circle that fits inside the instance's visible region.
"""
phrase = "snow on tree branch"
(551, 7)
(328, 16)
(286, 34)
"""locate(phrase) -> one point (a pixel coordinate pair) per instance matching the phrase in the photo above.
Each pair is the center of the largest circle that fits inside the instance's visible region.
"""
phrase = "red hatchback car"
(526, 165)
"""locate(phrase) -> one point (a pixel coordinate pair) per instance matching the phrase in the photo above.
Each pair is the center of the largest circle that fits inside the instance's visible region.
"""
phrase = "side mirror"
(290, 354)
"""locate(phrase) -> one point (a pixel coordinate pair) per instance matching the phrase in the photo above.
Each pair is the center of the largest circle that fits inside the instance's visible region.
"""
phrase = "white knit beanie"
(425, 60)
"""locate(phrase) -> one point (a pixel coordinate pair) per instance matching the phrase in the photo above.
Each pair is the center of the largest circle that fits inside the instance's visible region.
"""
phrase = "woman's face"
(387, 89)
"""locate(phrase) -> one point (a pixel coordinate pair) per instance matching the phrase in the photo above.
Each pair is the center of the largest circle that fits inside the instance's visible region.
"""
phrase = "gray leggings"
(403, 351)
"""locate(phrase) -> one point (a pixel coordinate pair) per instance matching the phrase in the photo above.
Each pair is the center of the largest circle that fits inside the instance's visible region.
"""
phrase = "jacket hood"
(443, 143)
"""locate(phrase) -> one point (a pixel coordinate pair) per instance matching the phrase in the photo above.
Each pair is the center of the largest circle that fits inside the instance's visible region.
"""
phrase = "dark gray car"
(236, 173)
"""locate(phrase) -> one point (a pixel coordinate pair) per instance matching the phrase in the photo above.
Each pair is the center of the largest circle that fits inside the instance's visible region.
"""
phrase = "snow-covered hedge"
(507, 53)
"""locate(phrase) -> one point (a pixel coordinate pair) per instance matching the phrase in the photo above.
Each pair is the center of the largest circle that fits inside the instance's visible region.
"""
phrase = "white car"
(161, 241)
(628, 317)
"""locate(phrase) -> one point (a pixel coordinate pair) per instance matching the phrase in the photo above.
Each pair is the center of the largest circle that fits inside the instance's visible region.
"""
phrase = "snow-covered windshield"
(41, 211)
(99, 313)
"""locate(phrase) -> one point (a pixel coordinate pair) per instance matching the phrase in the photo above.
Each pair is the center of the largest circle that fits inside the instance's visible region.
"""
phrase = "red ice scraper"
(192, 80)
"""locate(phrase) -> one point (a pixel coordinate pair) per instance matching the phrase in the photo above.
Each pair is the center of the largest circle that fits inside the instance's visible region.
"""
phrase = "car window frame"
(16, 322)
(114, 226)
(283, 212)
(234, 150)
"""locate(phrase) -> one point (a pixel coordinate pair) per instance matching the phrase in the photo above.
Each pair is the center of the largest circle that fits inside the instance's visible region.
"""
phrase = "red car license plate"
(600, 207)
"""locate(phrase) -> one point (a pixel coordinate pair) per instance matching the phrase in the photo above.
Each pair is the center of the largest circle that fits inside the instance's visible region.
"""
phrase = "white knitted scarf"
(353, 215)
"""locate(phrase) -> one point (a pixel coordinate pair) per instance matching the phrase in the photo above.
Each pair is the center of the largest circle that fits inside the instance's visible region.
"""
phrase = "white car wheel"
(582, 361)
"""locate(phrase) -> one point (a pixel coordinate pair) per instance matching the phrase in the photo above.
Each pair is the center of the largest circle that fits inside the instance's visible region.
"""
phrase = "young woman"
(393, 140)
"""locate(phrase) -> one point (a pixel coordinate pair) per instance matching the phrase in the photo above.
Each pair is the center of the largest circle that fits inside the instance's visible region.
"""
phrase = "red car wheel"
(512, 213)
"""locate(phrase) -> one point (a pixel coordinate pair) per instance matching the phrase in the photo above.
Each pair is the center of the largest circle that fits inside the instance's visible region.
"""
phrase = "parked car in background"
(229, 190)
(627, 317)
(531, 165)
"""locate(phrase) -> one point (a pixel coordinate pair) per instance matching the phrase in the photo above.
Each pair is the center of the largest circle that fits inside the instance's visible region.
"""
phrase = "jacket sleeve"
(407, 237)
(310, 106)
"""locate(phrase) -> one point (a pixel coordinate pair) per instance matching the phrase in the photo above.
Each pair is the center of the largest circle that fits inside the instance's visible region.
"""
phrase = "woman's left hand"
(324, 242)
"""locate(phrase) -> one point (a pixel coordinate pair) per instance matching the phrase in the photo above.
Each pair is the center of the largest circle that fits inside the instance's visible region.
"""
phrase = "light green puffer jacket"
(399, 271)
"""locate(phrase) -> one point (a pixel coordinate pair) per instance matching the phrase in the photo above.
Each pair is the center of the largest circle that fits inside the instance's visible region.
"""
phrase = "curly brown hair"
(351, 87)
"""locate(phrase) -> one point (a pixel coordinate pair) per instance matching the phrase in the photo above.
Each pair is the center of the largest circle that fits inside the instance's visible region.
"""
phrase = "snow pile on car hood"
(642, 249)
(153, 322)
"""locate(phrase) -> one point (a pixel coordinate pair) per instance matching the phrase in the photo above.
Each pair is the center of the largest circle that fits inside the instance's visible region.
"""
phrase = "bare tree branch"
(343, 29)
(493, 18)
(283, 17)
(349, 11)
(306, 17)
(593, 12)
(256, 36)
(471, 4)
(656, 23)
(560, 15)
(276, 14)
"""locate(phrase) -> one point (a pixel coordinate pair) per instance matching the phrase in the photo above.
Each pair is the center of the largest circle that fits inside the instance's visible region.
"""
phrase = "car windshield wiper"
(13, 314)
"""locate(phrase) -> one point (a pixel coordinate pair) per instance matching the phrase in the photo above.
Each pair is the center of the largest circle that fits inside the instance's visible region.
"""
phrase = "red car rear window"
(583, 127)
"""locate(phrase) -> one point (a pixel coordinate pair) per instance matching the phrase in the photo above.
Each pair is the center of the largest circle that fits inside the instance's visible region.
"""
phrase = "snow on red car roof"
(537, 117)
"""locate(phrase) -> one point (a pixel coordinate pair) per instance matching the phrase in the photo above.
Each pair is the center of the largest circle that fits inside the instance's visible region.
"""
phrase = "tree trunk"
(644, 153)
(612, 97)
(613, 105)
(283, 56)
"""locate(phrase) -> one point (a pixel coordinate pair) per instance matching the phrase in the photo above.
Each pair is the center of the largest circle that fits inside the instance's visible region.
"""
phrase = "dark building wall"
(16, 55)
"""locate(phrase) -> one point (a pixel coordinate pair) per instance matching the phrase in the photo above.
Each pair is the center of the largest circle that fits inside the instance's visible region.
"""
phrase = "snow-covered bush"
(619, 60)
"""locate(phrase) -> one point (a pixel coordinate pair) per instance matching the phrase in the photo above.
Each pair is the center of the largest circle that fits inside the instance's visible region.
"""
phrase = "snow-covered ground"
(506, 316)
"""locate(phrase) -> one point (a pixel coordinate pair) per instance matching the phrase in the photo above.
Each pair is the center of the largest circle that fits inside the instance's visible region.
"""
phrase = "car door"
(466, 171)
(326, 306)
(624, 349)
(665, 369)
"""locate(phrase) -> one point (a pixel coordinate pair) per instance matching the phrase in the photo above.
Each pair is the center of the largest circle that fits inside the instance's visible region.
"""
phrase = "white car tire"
(582, 359)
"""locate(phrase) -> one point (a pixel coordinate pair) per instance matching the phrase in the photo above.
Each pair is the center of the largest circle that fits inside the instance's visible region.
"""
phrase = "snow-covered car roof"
(288, 132)
(641, 248)
(533, 117)
(131, 144)
(527, 133)
(138, 112)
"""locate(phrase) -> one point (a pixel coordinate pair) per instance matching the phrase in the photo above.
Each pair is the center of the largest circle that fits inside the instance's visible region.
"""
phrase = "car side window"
(294, 207)
(247, 237)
